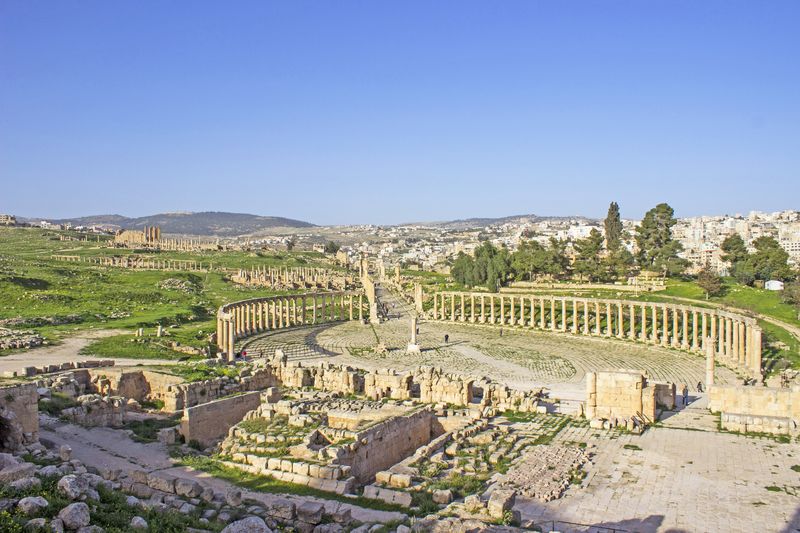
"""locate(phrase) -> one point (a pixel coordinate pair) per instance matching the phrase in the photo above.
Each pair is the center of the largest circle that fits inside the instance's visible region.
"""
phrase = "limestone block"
(500, 501)
(161, 481)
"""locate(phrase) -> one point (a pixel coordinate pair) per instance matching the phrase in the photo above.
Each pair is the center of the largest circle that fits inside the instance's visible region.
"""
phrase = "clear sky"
(383, 112)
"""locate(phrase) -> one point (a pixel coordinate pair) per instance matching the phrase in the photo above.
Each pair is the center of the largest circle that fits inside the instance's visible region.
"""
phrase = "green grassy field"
(33, 286)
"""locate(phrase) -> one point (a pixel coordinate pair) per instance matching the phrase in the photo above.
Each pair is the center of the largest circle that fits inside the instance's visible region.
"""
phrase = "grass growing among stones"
(147, 430)
(271, 485)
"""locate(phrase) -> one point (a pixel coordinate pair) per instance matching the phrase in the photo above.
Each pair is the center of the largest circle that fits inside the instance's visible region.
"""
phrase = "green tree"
(735, 249)
(613, 228)
(619, 263)
(557, 260)
(657, 249)
(331, 247)
(710, 282)
(530, 260)
(489, 266)
(588, 262)
(770, 260)
(290, 244)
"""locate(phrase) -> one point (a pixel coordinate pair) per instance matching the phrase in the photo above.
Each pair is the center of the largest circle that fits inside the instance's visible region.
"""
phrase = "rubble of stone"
(545, 472)
(35, 322)
(96, 410)
(29, 371)
(173, 284)
(11, 339)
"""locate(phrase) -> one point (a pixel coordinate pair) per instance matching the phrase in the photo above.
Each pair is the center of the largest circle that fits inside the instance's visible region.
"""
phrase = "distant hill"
(209, 223)
(475, 223)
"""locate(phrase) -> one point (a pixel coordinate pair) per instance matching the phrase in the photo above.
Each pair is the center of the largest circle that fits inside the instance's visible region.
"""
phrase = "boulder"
(501, 501)
(36, 524)
(56, 525)
(442, 497)
(75, 515)
(72, 486)
(233, 497)
(25, 483)
(310, 512)
(188, 487)
(137, 522)
(251, 524)
(65, 452)
(32, 505)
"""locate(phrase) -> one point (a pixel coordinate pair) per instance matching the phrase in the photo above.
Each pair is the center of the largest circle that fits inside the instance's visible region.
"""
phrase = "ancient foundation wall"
(756, 409)
(386, 443)
(19, 415)
(211, 421)
(625, 394)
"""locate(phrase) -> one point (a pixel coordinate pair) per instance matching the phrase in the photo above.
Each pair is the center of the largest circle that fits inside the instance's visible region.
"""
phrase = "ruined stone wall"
(622, 394)
(19, 416)
(210, 421)
(756, 409)
(386, 443)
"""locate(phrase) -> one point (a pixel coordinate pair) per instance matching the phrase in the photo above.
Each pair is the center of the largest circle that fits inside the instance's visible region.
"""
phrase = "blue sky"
(384, 112)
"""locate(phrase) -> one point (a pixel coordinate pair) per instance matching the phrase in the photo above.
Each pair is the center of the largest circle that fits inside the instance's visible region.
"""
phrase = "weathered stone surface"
(72, 486)
(137, 522)
(499, 502)
(188, 487)
(32, 505)
(252, 524)
(310, 512)
(442, 496)
(75, 515)
(233, 497)
(161, 481)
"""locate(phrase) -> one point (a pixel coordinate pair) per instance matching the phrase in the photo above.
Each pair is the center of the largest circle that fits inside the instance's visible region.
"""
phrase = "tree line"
(594, 258)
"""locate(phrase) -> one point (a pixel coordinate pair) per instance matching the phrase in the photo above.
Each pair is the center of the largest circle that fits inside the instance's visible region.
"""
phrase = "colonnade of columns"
(735, 339)
(248, 317)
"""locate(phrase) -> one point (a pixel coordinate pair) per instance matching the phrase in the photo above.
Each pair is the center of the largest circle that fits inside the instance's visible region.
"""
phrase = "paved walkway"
(66, 351)
(677, 480)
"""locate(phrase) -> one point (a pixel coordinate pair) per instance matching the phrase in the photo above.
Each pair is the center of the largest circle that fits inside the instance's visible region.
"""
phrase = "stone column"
(644, 323)
(483, 309)
(541, 310)
(220, 334)
(533, 312)
(597, 318)
(585, 317)
(491, 310)
(755, 360)
(620, 320)
(740, 342)
(632, 313)
(452, 307)
(502, 310)
(522, 319)
(675, 333)
(564, 315)
(472, 317)
(665, 325)
(591, 395)
(512, 319)
(552, 314)
(463, 317)
(231, 338)
(709, 363)
(609, 325)
(685, 330)
(435, 308)
(694, 330)
(575, 316)
(361, 307)
(654, 333)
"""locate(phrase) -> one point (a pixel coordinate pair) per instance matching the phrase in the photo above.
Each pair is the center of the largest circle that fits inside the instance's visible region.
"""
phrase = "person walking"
(446, 338)
(685, 392)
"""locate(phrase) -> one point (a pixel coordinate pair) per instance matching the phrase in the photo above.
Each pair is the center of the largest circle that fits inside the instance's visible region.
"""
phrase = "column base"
(413, 348)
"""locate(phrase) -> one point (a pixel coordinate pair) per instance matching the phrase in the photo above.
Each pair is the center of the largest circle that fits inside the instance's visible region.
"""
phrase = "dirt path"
(113, 448)
(66, 351)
